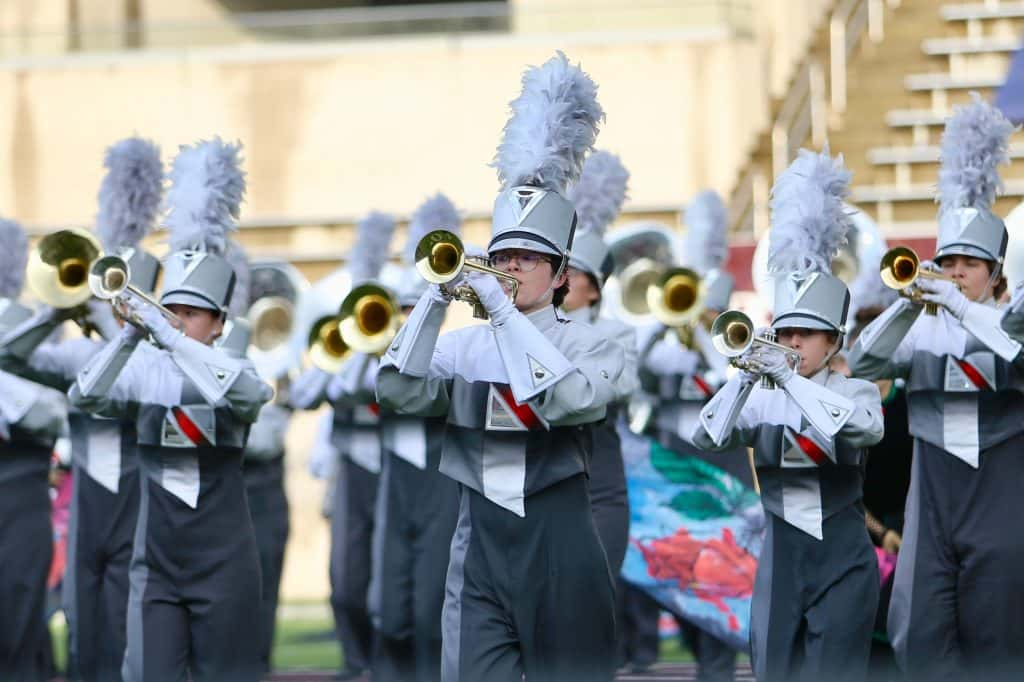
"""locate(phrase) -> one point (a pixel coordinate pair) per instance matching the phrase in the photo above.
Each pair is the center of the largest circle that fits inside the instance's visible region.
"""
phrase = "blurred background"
(347, 106)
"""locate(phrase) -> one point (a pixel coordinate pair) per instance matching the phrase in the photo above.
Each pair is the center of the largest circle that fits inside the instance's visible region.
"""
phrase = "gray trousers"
(194, 596)
(352, 520)
(957, 608)
(814, 602)
(26, 549)
(95, 593)
(416, 515)
(268, 508)
(528, 596)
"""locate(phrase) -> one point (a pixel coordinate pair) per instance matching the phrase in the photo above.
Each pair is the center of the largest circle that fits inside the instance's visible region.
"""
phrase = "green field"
(306, 641)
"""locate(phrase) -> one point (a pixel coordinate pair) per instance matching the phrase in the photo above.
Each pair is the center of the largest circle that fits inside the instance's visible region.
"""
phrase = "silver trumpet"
(441, 258)
(732, 335)
(110, 280)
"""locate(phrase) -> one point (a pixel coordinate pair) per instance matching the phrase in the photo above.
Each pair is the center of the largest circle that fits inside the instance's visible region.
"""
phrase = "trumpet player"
(598, 198)
(194, 596)
(956, 602)
(105, 504)
(816, 588)
(528, 589)
(417, 506)
(682, 370)
(31, 420)
(355, 434)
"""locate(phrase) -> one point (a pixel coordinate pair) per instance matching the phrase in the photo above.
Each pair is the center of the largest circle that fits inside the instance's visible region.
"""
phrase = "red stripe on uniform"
(811, 449)
(703, 385)
(524, 412)
(374, 409)
(188, 427)
(974, 375)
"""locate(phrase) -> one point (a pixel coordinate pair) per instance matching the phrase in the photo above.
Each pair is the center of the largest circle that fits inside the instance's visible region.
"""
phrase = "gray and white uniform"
(31, 419)
(817, 580)
(263, 468)
(104, 504)
(194, 603)
(957, 595)
(521, 397)
(355, 434)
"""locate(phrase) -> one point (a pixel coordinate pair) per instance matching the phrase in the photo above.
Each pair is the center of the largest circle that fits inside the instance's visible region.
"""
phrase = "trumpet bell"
(58, 268)
(327, 349)
(634, 283)
(370, 318)
(732, 333)
(271, 320)
(899, 267)
(109, 276)
(440, 256)
(674, 297)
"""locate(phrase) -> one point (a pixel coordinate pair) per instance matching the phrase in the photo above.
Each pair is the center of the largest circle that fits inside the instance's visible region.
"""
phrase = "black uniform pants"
(352, 522)
(814, 602)
(26, 549)
(957, 608)
(530, 595)
(416, 514)
(95, 593)
(194, 600)
(268, 508)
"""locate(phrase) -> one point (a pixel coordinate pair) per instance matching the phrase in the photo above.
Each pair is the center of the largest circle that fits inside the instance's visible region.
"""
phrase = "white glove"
(323, 458)
(155, 323)
(767, 361)
(101, 316)
(944, 293)
(495, 301)
(668, 359)
(439, 292)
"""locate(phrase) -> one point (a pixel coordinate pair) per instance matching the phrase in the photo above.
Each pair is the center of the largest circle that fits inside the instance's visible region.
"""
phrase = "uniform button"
(711, 415)
(539, 374)
(604, 374)
(835, 413)
(220, 376)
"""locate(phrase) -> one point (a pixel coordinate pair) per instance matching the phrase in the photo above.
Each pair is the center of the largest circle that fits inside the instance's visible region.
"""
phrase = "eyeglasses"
(527, 261)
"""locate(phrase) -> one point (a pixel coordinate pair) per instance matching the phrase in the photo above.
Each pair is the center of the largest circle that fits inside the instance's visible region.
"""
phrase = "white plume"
(707, 232)
(236, 256)
(974, 144)
(373, 241)
(600, 192)
(553, 126)
(130, 194)
(207, 186)
(13, 258)
(437, 212)
(809, 220)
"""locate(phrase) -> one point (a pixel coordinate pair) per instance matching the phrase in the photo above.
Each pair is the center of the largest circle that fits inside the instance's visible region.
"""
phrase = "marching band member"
(957, 596)
(105, 500)
(521, 396)
(598, 198)
(682, 370)
(417, 508)
(356, 435)
(816, 588)
(31, 420)
(193, 606)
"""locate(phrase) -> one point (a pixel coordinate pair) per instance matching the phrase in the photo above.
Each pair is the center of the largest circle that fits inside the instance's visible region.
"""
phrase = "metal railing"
(812, 101)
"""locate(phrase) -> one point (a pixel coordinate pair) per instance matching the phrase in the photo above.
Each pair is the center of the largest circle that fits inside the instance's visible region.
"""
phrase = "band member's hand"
(155, 323)
(495, 301)
(775, 364)
(891, 541)
(944, 293)
(100, 315)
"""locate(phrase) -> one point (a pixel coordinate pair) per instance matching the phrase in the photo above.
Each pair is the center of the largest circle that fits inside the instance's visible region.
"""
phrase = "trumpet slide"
(441, 258)
(732, 335)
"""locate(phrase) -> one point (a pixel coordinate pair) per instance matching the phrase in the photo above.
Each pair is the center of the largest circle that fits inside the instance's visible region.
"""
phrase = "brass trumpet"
(110, 280)
(58, 268)
(901, 268)
(327, 350)
(370, 318)
(732, 335)
(441, 258)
